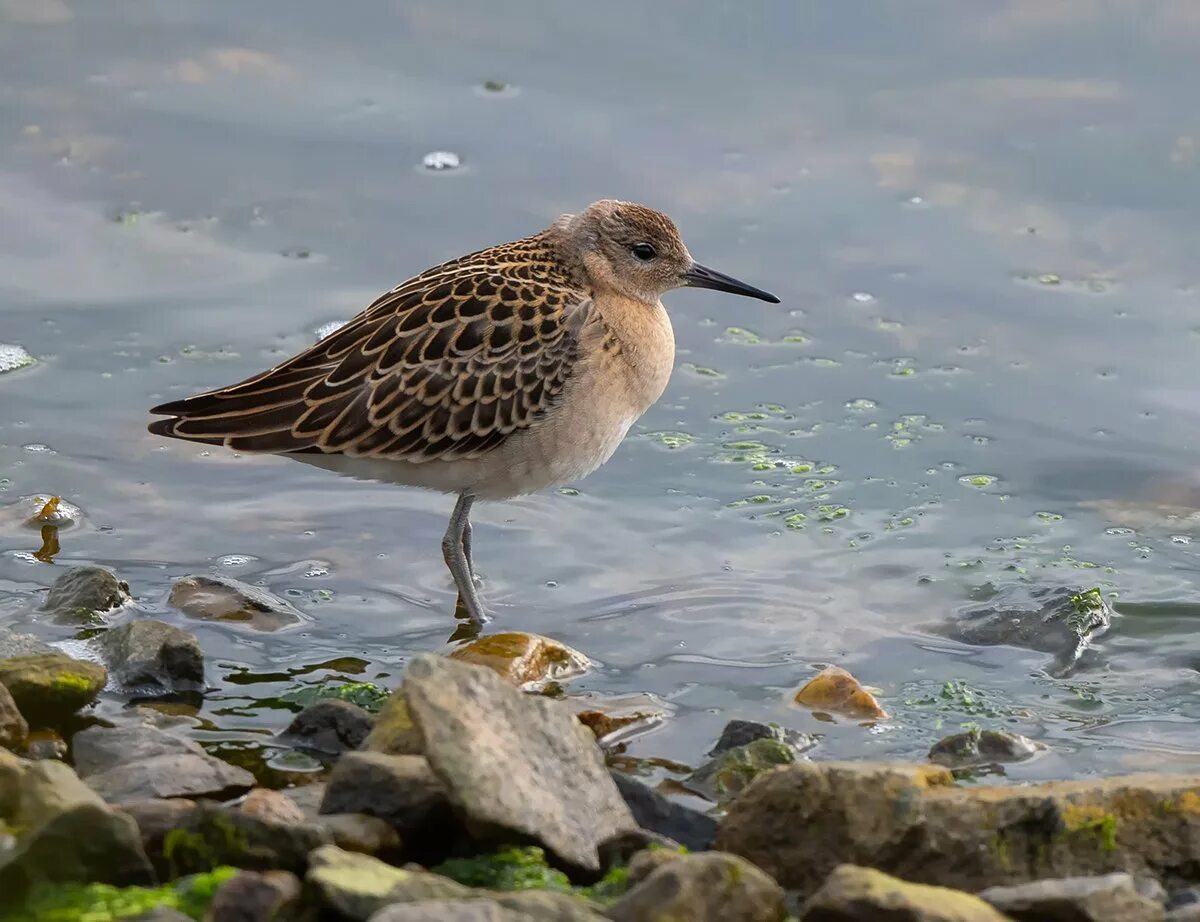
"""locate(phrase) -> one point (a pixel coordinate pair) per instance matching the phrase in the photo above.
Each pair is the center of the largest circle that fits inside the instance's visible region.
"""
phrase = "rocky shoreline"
(470, 793)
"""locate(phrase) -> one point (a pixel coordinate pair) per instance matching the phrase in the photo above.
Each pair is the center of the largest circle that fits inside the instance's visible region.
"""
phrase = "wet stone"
(663, 816)
(329, 726)
(514, 765)
(13, 728)
(13, 643)
(82, 594)
(523, 659)
(983, 747)
(732, 770)
(1108, 898)
(221, 598)
(858, 894)
(148, 652)
(712, 887)
(50, 687)
(357, 886)
(836, 691)
(740, 732)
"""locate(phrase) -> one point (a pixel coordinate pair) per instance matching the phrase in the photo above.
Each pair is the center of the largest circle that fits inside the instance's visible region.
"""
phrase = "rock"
(647, 861)
(983, 747)
(473, 910)
(220, 598)
(523, 659)
(731, 771)
(1051, 620)
(394, 732)
(1185, 896)
(702, 888)
(1183, 914)
(136, 763)
(834, 690)
(329, 726)
(357, 886)
(401, 790)
(1110, 898)
(13, 728)
(855, 894)
(514, 764)
(13, 643)
(34, 793)
(740, 732)
(150, 652)
(208, 836)
(659, 814)
(798, 822)
(50, 687)
(357, 832)
(546, 906)
(82, 594)
(307, 797)
(45, 744)
(154, 819)
(250, 896)
(272, 807)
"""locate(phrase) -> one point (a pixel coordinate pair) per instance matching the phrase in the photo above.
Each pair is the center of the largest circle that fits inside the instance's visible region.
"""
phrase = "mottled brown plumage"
(497, 373)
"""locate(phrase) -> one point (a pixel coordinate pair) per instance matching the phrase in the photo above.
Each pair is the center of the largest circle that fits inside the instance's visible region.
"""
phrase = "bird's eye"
(643, 251)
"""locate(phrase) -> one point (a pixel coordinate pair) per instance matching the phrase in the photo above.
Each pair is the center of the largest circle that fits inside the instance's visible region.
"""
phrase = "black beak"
(703, 277)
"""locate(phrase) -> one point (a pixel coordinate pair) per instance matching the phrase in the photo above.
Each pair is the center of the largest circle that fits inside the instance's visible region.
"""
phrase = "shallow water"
(980, 218)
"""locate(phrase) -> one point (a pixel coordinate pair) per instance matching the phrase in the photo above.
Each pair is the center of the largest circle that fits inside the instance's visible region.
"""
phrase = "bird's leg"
(466, 546)
(458, 560)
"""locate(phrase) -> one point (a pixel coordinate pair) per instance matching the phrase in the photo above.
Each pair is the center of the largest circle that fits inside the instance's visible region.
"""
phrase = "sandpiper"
(493, 375)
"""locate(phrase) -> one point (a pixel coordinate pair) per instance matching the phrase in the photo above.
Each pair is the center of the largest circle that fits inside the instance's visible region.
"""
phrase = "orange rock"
(834, 689)
(271, 806)
(523, 659)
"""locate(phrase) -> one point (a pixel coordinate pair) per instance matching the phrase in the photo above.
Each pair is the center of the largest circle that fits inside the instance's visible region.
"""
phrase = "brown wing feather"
(446, 365)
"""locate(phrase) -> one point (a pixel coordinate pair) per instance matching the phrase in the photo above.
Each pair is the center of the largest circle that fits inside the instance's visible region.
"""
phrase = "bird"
(497, 374)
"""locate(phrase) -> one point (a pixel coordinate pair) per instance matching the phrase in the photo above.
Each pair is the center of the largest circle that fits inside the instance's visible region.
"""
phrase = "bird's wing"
(445, 366)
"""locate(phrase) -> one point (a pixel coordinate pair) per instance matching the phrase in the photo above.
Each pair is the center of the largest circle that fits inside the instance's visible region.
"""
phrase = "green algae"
(366, 695)
(671, 439)
(105, 903)
(525, 868)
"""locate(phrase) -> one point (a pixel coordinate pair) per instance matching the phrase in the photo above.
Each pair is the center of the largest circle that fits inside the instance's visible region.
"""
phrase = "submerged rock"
(357, 886)
(82, 594)
(50, 687)
(514, 765)
(658, 814)
(732, 770)
(858, 894)
(702, 888)
(799, 822)
(834, 690)
(523, 659)
(329, 726)
(13, 727)
(221, 598)
(1109, 898)
(148, 652)
(983, 747)
(740, 732)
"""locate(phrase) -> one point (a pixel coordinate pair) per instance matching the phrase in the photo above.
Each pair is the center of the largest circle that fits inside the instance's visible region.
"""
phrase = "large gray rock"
(148, 652)
(1108, 898)
(712, 887)
(515, 764)
(402, 790)
(13, 728)
(50, 687)
(136, 763)
(81, 594)
(220, 598)
(855, 894)
(330, 726)
(357, 886)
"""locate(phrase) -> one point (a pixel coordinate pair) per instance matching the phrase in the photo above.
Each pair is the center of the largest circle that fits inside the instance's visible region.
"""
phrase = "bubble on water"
(236, 560)
(441, 160)
(38, 448)
(1180, 539)
(862, 297)
(328, 329)
(13, 357)
(316, 571)
(1118, 530)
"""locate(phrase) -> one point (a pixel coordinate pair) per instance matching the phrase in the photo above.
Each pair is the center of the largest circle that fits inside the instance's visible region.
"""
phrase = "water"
(980, 218)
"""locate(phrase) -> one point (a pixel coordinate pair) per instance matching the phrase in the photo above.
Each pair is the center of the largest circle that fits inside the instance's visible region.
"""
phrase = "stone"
(473, 910)
(209, 835)
(50, 687)
(357, 832)
(154, 819)
(250, 896)
(1108, 898)
(836, 691)
(272, 807)
(523, 659)
(983, 747)
(357, 886)
(661, 815)
(34, 793)
(394, 732)
(800, 821)
(514, 765)
(13, 643)
(401, 790)
(1183, 914)
(140, 762)
(740, 732)
(307, 797)
(82, 594)
(546, 906)
(221, 598)
(330, 726)
(856, 894)
(730, 772)
(712, 887)
(148, 652)
(45, 743)
(13, 728)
